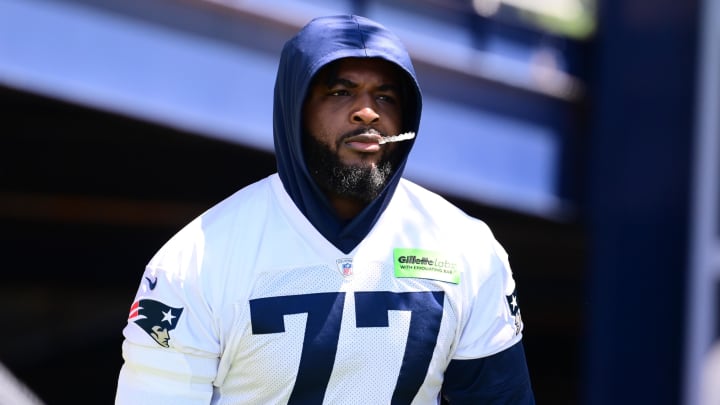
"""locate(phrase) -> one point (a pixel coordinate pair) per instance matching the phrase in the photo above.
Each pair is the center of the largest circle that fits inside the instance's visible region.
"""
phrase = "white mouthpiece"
(397, 138)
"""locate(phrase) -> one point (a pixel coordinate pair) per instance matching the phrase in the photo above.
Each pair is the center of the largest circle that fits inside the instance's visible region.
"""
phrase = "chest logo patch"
(420, 263)
(345, 266)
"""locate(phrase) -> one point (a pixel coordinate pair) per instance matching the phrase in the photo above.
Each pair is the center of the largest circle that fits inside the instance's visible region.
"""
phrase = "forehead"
(360, 69)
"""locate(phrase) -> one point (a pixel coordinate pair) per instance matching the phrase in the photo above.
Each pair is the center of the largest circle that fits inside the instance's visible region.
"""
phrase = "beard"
(359, 182)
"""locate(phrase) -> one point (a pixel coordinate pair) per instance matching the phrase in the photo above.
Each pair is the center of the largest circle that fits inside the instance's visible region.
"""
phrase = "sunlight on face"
(349, 106)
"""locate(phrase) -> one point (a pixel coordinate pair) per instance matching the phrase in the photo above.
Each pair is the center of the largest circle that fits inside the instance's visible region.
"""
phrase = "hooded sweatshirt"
(322, 41)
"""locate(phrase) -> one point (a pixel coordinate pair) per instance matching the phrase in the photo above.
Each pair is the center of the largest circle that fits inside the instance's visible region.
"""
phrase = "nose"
(365, 115)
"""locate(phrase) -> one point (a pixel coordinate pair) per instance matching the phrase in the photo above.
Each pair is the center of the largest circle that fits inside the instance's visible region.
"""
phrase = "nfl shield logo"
(345, 267)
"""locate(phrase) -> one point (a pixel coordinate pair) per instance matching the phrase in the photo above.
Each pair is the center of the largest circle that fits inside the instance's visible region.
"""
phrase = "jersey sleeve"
(501, 378)
(489, 364)
(494, 322)
(171, 348)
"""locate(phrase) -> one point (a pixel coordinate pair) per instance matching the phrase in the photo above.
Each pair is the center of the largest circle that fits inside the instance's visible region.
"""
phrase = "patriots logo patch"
(515, 311)
(156, 319)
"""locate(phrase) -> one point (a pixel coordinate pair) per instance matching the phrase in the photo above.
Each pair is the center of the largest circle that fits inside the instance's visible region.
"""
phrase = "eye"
(387, 98)
(339, 92)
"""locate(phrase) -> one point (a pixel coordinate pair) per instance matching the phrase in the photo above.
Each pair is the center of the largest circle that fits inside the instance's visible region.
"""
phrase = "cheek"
(326, 127)
(394, 121)
(323, 134)
(314, 118)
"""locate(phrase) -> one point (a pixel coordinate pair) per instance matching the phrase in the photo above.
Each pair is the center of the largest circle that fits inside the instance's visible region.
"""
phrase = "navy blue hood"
(319, 43)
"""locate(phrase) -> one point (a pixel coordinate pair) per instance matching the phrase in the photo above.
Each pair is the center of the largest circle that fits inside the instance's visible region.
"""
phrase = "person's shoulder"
(254, 194)
(199, 256)
(467, 237)
(217, 220)
(437, 206)
(432, 213)
(423, 196)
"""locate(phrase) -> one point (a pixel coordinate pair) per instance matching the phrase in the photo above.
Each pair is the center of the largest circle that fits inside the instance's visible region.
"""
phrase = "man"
(333, 281)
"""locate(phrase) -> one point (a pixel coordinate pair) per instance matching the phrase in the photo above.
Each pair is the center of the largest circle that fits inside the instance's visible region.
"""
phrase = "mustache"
(361, 131)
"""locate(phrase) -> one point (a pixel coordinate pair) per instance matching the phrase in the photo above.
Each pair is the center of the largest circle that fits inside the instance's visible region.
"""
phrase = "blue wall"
(638, 201)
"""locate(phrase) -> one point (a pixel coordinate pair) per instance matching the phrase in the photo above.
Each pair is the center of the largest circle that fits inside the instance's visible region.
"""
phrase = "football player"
(334, 280)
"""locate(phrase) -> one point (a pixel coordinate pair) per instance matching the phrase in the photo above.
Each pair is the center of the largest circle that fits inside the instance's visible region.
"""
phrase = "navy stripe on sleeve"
(499, 379)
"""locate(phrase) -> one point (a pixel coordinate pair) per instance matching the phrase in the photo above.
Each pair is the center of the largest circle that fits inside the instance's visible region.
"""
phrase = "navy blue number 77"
(324, 317)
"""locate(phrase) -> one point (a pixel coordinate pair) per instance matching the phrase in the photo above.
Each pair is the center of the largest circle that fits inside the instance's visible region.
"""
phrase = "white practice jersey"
(249, 304)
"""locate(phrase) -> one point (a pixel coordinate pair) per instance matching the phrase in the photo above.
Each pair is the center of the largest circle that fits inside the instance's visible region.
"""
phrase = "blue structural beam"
(222, 87)
(638, 201)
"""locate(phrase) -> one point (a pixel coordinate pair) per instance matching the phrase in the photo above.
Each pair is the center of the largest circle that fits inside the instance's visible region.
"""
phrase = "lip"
(367, 143)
